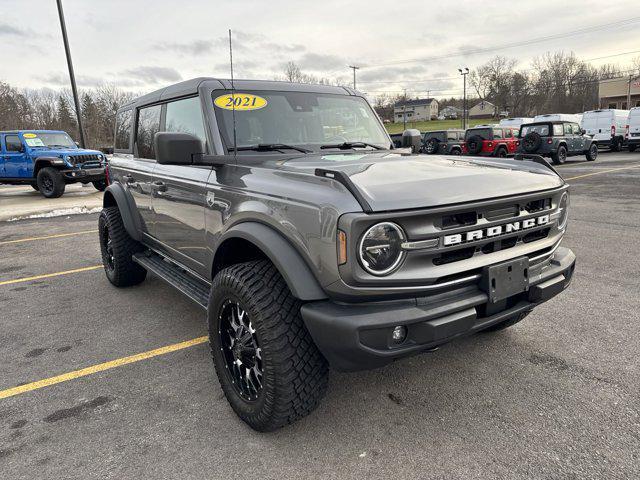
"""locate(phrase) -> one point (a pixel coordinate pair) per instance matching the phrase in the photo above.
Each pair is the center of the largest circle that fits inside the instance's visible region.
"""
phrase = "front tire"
(592, 154)
(50, 182)
(268, 366)
(117, 249)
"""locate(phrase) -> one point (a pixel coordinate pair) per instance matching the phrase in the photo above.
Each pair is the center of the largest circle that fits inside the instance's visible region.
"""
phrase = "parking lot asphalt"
(557, 396)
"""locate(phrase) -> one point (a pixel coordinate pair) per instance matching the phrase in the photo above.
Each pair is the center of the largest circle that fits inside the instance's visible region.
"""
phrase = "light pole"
(354, 74)
(464, 72)
(72, 76)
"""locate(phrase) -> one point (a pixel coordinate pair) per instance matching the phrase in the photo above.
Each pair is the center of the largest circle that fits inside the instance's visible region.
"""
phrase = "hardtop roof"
(31, 130)
(191, 86)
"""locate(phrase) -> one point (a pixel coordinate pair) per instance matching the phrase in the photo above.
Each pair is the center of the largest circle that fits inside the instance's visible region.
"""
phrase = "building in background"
(415, 110)
(615, 92)
(450, 113)
(483, 109)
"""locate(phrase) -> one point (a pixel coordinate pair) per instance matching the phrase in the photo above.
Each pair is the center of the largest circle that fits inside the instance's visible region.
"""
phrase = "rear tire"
(456, 151)
(117, 249)
(509, 322)
(50, 182)
(560, 156)
(432, 146)
(592, 153)
(501, 153)
(255, 320)
(100, 185)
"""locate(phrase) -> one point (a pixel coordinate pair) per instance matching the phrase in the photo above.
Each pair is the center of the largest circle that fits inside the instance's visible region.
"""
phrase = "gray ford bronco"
(284, 212)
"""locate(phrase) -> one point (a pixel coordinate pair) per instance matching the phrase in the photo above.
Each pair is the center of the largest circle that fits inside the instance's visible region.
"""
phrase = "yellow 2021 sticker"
(29, 135)
(240, 101)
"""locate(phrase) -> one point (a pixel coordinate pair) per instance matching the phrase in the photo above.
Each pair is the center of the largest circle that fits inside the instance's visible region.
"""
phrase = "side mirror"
(411, 138)
(173, 148)
(583, 131)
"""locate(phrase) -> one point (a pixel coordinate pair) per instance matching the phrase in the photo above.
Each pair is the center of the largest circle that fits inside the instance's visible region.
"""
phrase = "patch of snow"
(59, 213)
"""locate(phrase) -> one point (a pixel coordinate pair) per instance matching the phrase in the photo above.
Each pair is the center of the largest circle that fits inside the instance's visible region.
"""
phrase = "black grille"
(86, 158)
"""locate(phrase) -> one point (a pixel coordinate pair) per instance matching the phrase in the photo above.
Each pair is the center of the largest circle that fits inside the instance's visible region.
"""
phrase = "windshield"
(441, 136)
(485, 133)
(49, 139)
(303, 119)
(542, 130)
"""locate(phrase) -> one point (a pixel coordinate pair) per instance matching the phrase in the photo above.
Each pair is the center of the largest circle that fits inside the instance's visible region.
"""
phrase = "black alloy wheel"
(242, 353)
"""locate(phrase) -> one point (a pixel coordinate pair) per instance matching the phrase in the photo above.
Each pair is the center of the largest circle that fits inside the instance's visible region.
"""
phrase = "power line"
(546, 38)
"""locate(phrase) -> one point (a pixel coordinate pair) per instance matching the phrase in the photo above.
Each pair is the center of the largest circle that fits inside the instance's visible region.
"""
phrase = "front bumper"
(358, 336)
(84, 175)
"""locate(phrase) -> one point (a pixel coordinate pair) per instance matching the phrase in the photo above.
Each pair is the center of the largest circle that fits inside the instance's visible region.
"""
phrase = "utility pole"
(404, 111)
(354, 74)
(72, 76)
(464, 74)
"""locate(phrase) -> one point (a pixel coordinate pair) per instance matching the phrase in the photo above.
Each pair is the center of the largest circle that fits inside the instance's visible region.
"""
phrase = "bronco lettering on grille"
(494, 231)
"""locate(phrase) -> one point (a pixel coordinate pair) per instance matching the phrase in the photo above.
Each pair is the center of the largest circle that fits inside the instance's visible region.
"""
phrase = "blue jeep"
(48, 160)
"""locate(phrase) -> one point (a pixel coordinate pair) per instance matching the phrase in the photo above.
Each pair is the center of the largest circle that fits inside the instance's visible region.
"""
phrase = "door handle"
(160, 186)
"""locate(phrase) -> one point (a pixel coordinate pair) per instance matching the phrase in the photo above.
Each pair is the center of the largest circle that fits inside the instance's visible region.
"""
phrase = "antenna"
(233, 98)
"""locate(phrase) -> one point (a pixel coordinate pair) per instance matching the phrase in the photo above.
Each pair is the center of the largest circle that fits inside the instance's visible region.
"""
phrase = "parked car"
(309, 242)
(490, 141)
(557, 140)
(443, 142)
(559, 117)
(607, 127)
(48, 160)
(633, 129)
(514, 122)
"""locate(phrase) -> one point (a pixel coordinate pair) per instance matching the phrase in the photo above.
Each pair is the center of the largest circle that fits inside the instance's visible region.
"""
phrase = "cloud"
(152, 74)
(321, 62)
(195, 48)
(7, 30)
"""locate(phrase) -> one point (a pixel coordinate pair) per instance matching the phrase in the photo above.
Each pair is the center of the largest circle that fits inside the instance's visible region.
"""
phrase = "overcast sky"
(142, 45)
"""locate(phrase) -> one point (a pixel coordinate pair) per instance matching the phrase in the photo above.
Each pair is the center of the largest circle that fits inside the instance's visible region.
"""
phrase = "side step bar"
(194, 288)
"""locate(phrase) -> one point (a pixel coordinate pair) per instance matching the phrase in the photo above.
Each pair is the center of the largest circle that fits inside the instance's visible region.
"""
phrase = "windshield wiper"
(350, 145)
(270, 147)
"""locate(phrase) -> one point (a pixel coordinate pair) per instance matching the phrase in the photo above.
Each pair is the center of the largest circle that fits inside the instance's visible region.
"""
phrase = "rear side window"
(13, 143)
(507, 133)
(542, 130)
(452, 136)
(558, 131)
(485, 133)
(497, 133)
(123, 130)
(441, 136)
(185, 116)
(148, 126)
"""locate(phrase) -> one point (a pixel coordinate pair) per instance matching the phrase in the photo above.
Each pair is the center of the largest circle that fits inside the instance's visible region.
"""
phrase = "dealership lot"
(557, 396)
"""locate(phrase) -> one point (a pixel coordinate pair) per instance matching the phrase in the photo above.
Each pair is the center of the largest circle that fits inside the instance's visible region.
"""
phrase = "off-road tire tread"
(100, 185)
(295, 372)
(509, 322)
(126, 272)
(58, 182)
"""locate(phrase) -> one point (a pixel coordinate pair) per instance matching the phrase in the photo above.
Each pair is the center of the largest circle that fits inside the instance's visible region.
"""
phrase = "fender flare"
(116, 193)
(295, 271)
(47, 161)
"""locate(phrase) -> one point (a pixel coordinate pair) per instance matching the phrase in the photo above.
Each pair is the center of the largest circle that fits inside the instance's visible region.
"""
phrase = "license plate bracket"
(506, 279)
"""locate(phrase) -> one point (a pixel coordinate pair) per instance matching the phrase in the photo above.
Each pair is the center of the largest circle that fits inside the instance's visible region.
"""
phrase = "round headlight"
(563, 211)
(380, 249)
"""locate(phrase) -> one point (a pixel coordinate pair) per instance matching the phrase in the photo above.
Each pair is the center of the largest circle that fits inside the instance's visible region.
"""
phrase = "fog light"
(399, 334)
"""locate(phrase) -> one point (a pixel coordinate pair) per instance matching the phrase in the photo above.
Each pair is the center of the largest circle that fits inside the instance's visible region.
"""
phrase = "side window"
(452, 136)
(507, 133)
(497, 133)
(148, 126)
(185, 116)
(13, 143)
(558, 130)
(576, 129)
(123, 130)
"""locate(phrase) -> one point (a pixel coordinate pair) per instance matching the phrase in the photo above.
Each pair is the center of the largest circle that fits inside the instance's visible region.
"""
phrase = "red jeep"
(490, 141)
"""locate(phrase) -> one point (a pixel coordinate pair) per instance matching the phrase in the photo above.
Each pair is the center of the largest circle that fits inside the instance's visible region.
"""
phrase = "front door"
(179, 192)
(16, 164)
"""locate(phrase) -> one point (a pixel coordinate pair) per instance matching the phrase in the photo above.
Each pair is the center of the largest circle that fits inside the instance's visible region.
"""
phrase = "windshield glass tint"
(441, 136)
(297, 118)
(485, 133)
(542, 130)
(56, 139)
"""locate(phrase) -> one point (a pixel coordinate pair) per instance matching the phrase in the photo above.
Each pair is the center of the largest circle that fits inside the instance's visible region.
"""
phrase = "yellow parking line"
(46, 237)
(49, 275)
(602, 171)
(101, 367)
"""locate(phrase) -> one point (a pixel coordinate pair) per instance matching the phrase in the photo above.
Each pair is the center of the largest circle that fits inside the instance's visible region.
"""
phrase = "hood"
(57, 152)
(391, 181)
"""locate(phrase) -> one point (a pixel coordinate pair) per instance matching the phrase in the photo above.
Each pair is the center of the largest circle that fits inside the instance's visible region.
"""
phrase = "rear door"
(179, 192)
(15, 157)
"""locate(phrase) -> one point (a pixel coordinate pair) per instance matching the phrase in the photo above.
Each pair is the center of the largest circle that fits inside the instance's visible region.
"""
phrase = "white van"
(514, 122)
(607, 127)
(633, 129)
(559, 117)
